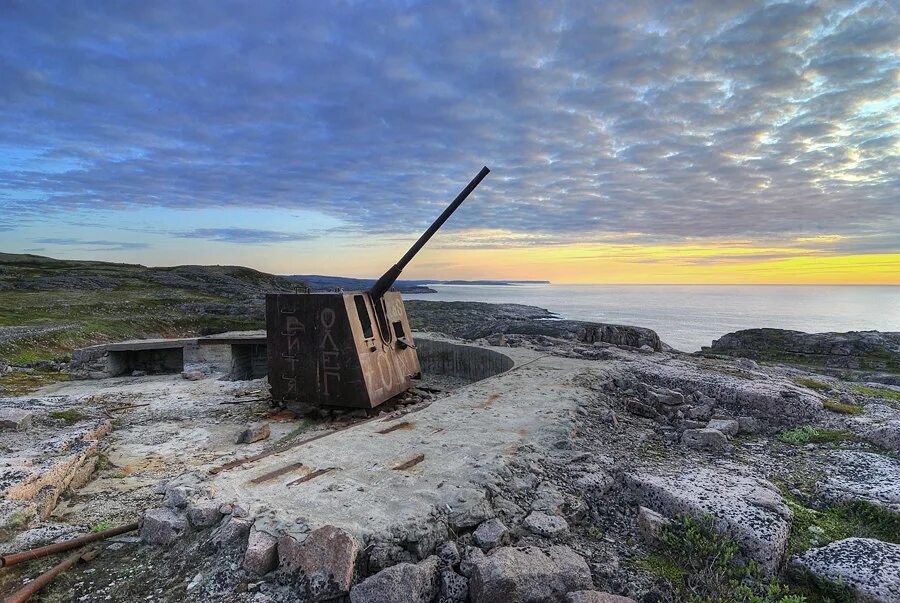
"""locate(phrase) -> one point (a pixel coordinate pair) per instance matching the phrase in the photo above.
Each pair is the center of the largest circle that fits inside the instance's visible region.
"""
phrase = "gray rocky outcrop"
(525, 574)
(401, 583)
(704, 438)
(322, 566)
(885, 435)
(870, 568)
(868, 350)
(749, 509)
(854, 475)
(595, 596)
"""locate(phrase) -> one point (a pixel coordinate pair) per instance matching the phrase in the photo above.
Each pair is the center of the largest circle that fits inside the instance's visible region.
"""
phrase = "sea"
(690, 316)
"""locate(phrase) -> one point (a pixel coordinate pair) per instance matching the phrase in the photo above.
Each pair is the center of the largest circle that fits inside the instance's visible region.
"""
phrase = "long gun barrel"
(388, 278)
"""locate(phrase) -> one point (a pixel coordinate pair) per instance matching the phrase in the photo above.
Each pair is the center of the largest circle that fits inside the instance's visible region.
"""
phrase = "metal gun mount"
(350, 349)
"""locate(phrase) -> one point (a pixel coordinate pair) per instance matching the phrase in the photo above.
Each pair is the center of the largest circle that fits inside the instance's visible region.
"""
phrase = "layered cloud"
(668, 121)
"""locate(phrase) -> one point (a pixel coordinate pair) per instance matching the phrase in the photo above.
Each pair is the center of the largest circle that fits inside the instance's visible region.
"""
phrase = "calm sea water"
(689, 316)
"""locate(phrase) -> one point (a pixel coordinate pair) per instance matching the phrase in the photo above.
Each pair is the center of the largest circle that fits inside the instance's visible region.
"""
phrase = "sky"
(638, 142)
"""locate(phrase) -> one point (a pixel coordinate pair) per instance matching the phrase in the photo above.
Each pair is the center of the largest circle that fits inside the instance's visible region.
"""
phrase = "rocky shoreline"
(603, 467)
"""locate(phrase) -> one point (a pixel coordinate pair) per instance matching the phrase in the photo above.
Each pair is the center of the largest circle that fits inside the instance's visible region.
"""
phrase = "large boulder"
(526, 574)
(749, 509)
(261, 556)
(865, 476)
(870, 568)
(401, 583)
(885, 435)
(323, 565)
(162, 526)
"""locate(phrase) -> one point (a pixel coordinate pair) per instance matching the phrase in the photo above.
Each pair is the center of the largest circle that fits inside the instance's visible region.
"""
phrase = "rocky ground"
(602, 466)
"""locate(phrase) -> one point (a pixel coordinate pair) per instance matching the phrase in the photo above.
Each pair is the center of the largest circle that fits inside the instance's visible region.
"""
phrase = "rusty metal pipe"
(50, 549)
(26, 592)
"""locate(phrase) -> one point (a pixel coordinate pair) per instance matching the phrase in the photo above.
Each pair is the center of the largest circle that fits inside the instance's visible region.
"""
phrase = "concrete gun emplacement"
(347, 349)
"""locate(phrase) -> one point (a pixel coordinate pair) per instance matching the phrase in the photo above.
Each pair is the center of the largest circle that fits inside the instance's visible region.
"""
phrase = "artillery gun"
(346, 349)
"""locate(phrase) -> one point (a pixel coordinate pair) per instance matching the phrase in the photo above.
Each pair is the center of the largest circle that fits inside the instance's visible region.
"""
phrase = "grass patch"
(101, 526)
(818, 527)
(20, 383)
(703, 565)
(811, 384)
(813, 435)
(877, 392)
(838, 406)
(69, 416)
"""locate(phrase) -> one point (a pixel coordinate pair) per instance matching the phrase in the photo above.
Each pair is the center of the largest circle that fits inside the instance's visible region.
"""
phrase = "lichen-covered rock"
(870, 568)
(525, 574)
(595, 596)
(261, 556)
(705, 438)
(749, 509)
(490, 534)
(204, 514)
(401, 583)
(866, 476)
(885, 435)
(323, 565)
(454, 588)
(162, 526)
(650, 524)
(449, 553)
(542, 524)
(233, 534)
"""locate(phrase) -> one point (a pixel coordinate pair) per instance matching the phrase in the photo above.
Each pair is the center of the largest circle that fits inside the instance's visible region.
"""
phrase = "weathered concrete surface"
(871, 568)
(867, 476)
(750, 509)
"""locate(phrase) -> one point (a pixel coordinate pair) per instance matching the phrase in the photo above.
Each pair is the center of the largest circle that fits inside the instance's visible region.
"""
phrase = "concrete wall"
(152, 362)
(465, 361)
(248, 361)
(217, 357)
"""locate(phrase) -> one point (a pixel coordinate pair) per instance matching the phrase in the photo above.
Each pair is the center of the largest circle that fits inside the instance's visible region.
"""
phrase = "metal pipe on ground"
(50, 549)
(26, 592)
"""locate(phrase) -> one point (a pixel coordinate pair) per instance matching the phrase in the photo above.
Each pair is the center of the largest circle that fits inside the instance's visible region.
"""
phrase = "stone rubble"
(870, 568)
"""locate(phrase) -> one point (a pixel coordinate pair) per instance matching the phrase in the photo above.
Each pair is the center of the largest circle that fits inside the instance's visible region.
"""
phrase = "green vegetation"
(20, 383)
(703, 565)
(878, 392)
(838, 406)
(813, 435)
(69, 416)
(811, 384)
(101, 526)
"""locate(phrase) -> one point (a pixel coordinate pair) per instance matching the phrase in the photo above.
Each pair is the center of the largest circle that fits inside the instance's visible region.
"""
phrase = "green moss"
(838, 406)
(69, 416)
(701, 564)
(101, 526)
(877, 392)
(811, 383)
(813, 435)
(20, 383)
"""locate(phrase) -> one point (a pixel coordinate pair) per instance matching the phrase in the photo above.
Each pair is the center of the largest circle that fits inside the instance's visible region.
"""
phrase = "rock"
(748, 425)
(254, 433)
(15, 418)
(886, 435)
(649, 524)
(749, 509)
(204, 514)
(261, 556)
(507, 508)
(322, 566)
(729, 427)
(866, 476)
(401, 583)
(467, 565)
(234, 533)
(454, 588)
(595, 596)
(385, 554)
(177, 497)
(449, 553)
(490, 534)
(665, 396)
(542, 524)
(712, 440)
(192, 375)
(525, 574)
(424, 537)
(595, 484)
(162, 526)
(747, 364)
(548, 498)
(870, 568)
(472, 509)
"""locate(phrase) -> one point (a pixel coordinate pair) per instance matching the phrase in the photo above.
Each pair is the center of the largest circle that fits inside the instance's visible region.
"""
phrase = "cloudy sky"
(645, 141)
